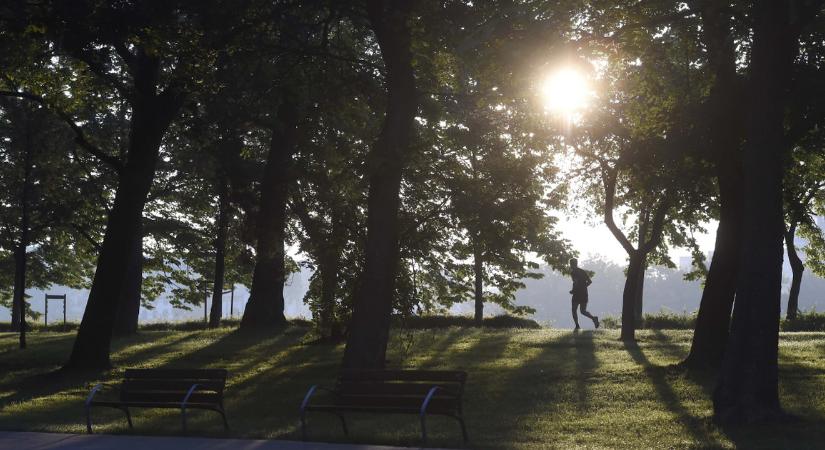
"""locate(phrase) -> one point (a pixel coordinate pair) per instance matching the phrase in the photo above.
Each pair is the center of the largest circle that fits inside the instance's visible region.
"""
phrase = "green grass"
(527, 389)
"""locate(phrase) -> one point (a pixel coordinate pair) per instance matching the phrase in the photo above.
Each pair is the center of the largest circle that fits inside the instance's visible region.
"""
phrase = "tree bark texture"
(798, 269)
(128, 312)
(630, 294)
(265, 308)
(369, 328)
(713, 318)
(748, 387)
(152, 113)
(639, 300)
(220, 253)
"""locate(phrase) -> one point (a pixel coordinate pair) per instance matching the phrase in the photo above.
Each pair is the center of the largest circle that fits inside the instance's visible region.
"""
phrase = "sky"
(596, 241)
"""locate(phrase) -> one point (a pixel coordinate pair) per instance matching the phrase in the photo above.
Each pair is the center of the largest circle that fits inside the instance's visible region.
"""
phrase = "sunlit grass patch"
(527, 389)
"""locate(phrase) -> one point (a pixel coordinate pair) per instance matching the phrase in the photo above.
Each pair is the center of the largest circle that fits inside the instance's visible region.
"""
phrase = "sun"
(566, 91)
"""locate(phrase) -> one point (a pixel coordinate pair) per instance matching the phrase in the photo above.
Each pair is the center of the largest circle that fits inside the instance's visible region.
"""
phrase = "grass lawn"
(527, 389)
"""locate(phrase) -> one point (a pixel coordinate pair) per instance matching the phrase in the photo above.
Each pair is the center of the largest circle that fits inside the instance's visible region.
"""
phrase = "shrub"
(805, 321)
(662, 320)
(425, 322)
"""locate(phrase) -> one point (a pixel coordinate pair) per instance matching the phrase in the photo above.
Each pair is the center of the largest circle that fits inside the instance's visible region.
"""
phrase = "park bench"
(164, 388)
(419, 392)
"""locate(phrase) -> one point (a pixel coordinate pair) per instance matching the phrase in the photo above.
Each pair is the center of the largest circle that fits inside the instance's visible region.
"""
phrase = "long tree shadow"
(526, 387)
(698, 427)
(801, 391)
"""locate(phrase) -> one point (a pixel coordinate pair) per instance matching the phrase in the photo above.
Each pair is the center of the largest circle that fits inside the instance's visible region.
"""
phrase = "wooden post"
(45, 309)
(64, 310)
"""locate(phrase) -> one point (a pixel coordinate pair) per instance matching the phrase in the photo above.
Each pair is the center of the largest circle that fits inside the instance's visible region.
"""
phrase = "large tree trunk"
(220, 253)
(152, 114)
(797, 268)
(713, 319)
(128, 312)
(635, 270)
(370, 324)
(265, 308)
(478, 286)
(748, 388)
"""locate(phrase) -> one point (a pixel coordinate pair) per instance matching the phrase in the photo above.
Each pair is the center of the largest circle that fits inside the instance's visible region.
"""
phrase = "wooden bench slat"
(189, 374)
(174, 405)
(390, 389)
(404, 375)
(168, 384)
(380, 410)
(170, 397)
(411, 402)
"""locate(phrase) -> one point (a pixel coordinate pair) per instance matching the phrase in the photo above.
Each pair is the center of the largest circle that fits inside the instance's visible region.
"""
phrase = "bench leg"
(128, 417)
(423, 428)
(463, 429)
(183, 418)
(89, 420)
(225, 423)
(343, 424)
(303, 426)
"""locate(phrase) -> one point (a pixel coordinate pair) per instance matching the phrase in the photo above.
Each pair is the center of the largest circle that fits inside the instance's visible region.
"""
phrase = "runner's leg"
(588, 315)
(575, 316)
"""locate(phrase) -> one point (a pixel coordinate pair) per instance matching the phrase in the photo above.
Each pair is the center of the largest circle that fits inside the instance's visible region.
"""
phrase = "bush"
(425, 322)
(38, 327)
(805, 321)
(662, 320)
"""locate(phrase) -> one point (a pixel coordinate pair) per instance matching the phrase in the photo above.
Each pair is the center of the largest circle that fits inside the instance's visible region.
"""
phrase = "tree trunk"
(220, 253)
(713, 318)
(797, 268)
(265, 308)
(152, 113)
(126, 321)
(478, 286)
(370, 324)
(640, 289)
(748, 389)
(19, 294)
(635, 271)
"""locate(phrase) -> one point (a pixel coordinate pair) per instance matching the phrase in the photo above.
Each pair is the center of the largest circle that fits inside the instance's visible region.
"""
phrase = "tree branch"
(609, 179)
(658, 224)
(80, 136)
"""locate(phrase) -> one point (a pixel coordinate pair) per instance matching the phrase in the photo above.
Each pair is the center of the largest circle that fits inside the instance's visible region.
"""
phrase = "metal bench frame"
(171, 375)
(408, 377)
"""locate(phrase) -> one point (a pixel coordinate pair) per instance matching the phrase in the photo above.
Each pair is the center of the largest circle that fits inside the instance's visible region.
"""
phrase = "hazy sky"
(593, 240)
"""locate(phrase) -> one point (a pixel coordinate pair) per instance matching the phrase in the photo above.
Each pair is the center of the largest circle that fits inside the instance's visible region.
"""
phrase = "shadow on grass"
(698, 427)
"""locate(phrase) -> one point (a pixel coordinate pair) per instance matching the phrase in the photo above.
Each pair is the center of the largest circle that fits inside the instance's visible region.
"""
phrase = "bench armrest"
(311, 392)
(431, 393)
(189, 394)
(95, 389)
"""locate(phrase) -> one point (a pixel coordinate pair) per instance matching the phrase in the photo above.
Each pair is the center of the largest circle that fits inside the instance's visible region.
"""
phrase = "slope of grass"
(527, 389)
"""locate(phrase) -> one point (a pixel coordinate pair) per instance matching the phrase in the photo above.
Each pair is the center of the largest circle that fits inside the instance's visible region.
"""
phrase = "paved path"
(58, 441)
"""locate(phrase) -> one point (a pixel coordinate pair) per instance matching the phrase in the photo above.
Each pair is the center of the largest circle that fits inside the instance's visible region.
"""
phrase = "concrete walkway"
(58, 441)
